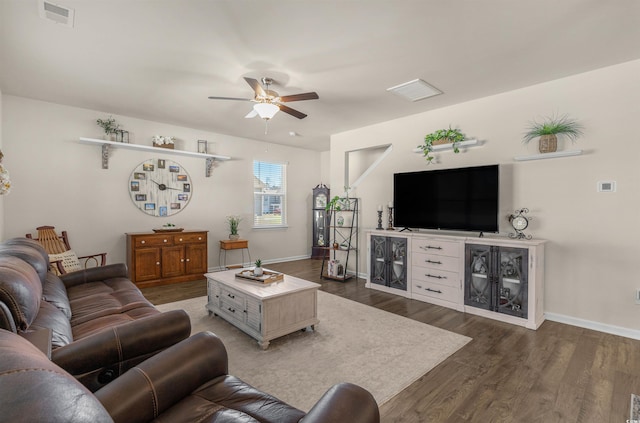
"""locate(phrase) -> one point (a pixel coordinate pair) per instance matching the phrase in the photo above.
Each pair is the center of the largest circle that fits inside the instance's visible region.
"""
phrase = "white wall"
(592, 253)
(59, 182)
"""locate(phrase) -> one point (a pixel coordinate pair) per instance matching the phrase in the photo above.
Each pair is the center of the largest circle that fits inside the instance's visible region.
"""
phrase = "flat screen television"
(462, 199)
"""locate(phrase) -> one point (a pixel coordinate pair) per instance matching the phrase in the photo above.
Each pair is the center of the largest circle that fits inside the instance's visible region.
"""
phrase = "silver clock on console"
(160, 187)
(519, 222)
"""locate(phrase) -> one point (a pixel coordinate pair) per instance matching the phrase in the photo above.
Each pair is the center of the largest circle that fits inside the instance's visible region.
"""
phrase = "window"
(269, 194)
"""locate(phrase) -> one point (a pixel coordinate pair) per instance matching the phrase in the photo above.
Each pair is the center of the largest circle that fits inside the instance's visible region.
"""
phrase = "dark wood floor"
(558, 373)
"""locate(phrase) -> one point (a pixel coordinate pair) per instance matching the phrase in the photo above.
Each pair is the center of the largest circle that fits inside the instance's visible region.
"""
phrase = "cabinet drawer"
(153, 240)
(195, 237)
(451, 264)
(437, 247)
(232, 310)
(232, 297)
(435, 290)
(442, 277)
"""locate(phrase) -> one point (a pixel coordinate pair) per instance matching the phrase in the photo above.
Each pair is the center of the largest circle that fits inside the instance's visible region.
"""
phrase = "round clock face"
(520, 223)
(321, 201)
(160, 187)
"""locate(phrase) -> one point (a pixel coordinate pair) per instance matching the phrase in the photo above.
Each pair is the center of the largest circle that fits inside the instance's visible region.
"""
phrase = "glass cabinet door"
(398, 263)
(378, 265)
(512, 282)
(320, 228)
(478, 282)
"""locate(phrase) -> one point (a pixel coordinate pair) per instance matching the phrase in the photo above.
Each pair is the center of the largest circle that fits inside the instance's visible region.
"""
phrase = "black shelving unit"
(344, 228)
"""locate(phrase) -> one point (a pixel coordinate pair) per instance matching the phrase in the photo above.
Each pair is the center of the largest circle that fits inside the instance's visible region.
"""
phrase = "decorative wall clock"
(519, 222)
(160, 187)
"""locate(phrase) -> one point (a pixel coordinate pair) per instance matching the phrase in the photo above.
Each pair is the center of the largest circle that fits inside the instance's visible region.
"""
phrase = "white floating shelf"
(548, 155)
(449, 147)
(106, 145)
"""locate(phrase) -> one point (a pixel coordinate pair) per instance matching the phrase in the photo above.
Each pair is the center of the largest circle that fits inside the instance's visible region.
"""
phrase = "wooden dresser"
(166, 257)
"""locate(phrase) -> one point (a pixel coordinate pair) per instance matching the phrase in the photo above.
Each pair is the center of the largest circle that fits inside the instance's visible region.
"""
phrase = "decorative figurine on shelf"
(390, 226)
(379, 217)
(519, 222)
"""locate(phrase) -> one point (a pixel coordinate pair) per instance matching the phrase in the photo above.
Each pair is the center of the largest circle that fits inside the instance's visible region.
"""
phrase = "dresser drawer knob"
(188, 260)
(180, 239)
(181, 260)
(164, 240)
(435, 276)
(432, 261)
(437, 291)
(199, 238)
(143, 242)
(157, 263)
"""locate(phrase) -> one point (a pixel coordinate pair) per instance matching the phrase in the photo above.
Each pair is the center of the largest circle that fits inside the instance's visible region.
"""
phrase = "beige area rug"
(377, 350)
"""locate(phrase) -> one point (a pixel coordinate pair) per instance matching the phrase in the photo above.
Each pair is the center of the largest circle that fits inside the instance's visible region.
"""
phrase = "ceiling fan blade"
(292, 112)
(229, 98)
(251, 114)
(300, 97)
(256, 87)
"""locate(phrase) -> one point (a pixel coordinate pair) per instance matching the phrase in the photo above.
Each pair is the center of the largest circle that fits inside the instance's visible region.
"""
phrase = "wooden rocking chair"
(63, 259)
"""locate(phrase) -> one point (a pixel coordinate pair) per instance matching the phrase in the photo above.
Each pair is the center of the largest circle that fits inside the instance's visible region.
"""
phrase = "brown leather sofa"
(100, 322)
(187, 382)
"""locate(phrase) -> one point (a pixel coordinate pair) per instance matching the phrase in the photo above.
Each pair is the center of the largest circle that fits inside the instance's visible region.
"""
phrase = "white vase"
(258, 271)
(234, 237)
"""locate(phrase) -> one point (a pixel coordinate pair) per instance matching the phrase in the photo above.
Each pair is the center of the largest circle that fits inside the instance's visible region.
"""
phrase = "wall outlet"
(637, 296)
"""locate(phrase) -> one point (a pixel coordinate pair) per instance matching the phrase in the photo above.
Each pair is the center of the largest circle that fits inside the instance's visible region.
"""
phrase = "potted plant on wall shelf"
(109, 126)
(234, 222)
(441, 136)
(548, 130)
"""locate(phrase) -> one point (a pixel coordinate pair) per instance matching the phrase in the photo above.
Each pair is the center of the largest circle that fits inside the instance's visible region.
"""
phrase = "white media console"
(494, 277)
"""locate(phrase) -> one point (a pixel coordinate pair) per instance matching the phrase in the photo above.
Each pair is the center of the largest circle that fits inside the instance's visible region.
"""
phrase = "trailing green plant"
(234, 222)
(258, 263)
(334, 204)
(452, 135)
(554, 125)
(109, 125)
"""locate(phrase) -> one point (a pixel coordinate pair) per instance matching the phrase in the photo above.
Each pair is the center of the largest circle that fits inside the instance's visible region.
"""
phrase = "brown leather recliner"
(187, 382)
(101, 324)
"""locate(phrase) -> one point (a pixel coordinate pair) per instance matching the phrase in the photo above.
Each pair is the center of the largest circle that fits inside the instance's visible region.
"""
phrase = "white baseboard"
(589, 324)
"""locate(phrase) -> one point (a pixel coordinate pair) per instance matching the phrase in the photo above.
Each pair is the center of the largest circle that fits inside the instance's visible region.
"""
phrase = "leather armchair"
(186, 382)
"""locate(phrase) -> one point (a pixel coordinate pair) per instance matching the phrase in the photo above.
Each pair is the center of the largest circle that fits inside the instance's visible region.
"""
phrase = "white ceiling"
(161, 59)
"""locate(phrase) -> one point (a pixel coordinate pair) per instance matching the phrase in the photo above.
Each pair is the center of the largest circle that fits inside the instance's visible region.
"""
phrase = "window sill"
(270, 227)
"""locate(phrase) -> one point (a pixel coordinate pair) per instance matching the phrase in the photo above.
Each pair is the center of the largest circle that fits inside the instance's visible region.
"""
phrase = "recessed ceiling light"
(415, 90)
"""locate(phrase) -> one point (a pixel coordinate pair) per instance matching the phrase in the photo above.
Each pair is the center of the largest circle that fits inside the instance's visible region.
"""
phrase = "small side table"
(230, 244)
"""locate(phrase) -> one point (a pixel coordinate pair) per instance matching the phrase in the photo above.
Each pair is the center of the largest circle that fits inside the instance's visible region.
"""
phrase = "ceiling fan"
(268, 102)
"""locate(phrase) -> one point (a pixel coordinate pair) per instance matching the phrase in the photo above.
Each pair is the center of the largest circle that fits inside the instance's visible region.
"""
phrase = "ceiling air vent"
(57, 13)
(415, 90)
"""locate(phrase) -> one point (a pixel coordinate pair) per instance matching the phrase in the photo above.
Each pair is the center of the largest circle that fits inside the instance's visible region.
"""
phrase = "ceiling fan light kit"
(266, 110)
(269, 102)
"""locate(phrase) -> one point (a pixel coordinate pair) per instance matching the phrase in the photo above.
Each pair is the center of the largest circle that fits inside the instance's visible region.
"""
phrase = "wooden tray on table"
(267, 276)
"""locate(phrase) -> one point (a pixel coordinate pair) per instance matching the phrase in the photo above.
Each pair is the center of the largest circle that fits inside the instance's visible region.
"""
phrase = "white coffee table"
(263, 311)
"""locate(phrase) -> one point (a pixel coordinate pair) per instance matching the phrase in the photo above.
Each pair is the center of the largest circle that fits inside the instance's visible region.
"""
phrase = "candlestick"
(380, 218)
(390, 204)
(379, 207)
(390, 227)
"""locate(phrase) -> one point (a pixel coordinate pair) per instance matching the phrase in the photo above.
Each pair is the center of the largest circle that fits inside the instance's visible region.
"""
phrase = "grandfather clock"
(320, 222)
